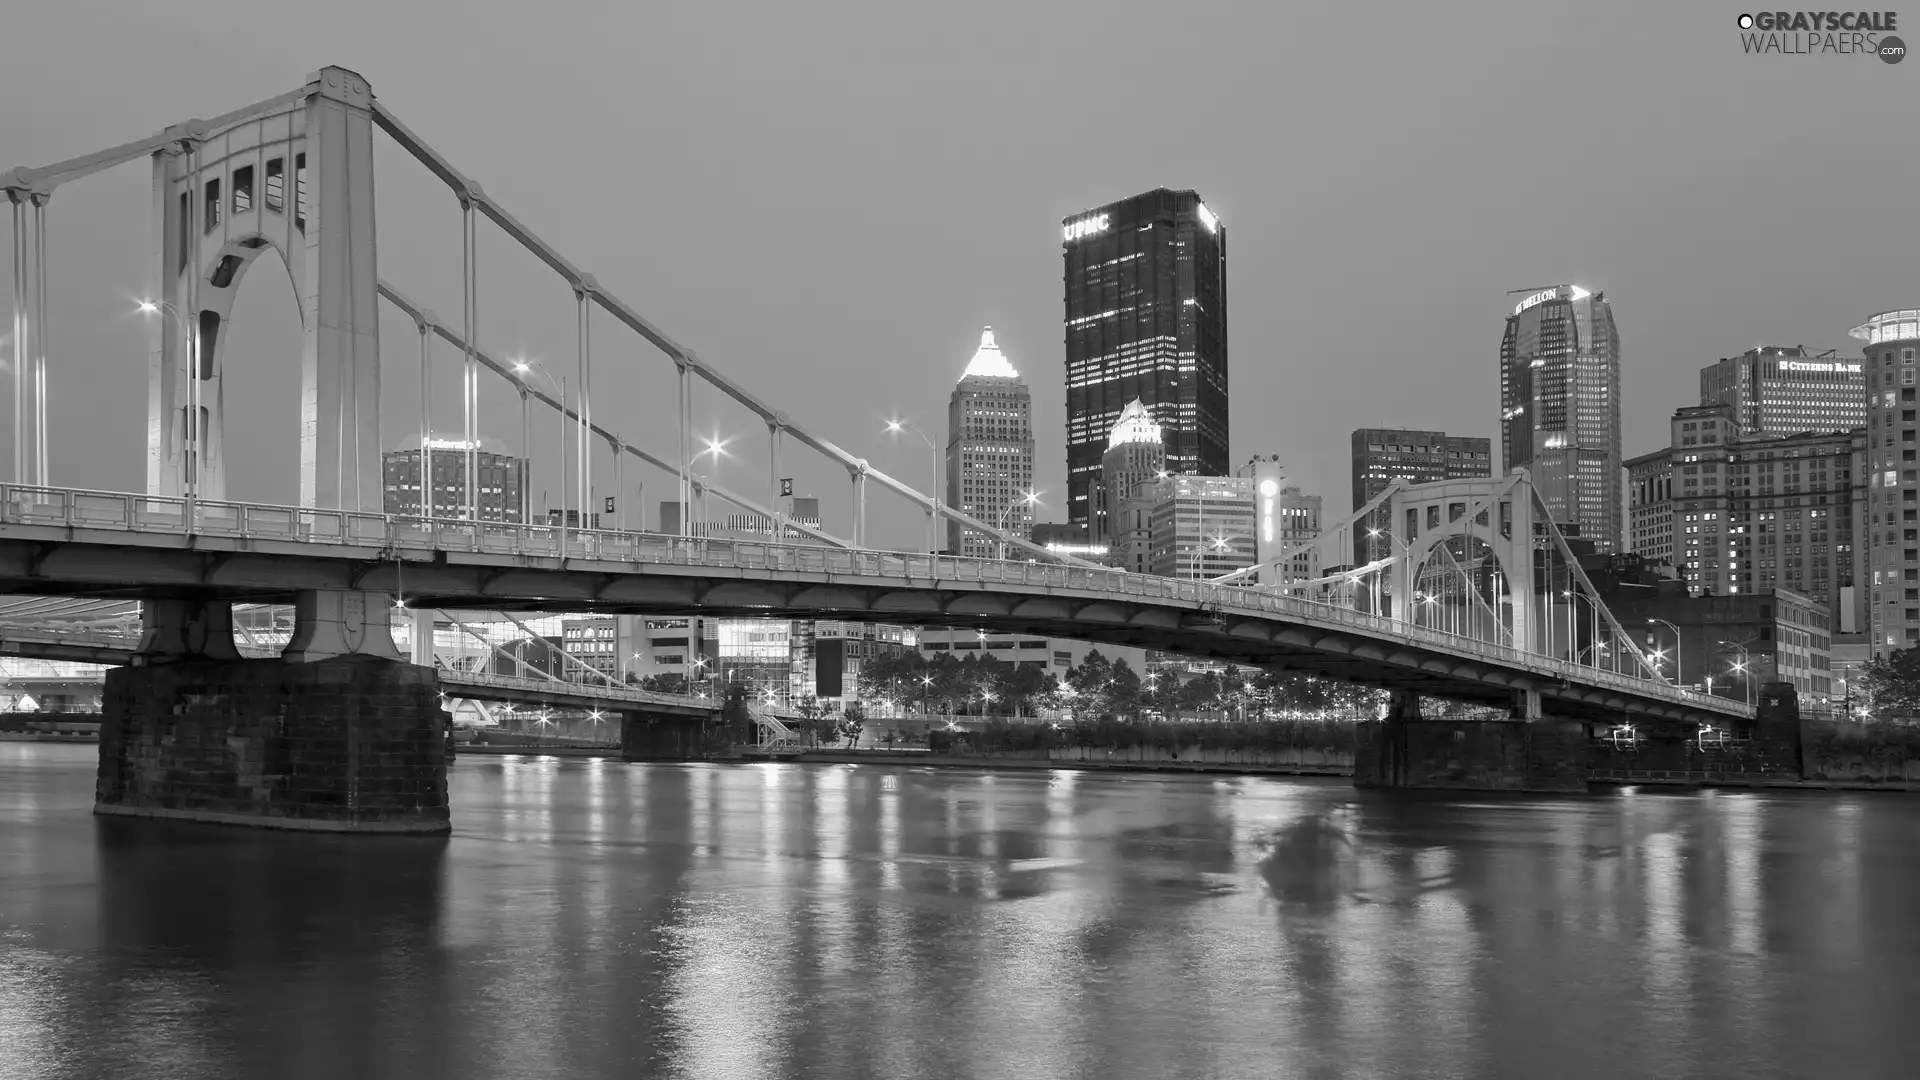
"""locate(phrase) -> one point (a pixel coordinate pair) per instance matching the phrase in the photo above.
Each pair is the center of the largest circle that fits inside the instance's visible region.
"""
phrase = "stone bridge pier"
(1528, 752)
(337, 734)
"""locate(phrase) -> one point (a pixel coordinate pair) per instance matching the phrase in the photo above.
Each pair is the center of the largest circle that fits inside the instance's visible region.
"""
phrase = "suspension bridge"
(1480, 599)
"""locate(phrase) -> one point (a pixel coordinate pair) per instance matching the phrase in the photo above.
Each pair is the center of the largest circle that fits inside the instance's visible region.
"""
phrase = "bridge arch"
(296, 175)
(1484, 519)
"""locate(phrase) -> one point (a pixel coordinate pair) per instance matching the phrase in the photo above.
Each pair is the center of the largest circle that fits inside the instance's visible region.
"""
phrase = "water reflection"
(593, 918)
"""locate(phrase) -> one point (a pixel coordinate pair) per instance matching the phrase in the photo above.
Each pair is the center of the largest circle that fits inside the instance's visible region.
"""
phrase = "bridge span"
(107, 544)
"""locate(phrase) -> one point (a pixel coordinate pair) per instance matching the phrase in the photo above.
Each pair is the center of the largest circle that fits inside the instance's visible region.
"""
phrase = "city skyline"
(1312, 300)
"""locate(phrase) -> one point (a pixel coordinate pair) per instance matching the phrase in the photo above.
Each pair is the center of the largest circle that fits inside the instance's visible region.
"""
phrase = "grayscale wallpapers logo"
(1831, 33)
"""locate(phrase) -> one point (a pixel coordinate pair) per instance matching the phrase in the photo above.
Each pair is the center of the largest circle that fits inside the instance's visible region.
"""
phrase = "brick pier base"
(352, 743)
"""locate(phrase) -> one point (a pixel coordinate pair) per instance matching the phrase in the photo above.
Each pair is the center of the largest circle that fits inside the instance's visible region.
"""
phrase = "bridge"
(1481, 598)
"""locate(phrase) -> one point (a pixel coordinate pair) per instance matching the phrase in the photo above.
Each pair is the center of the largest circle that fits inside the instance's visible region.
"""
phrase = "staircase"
(775, 737)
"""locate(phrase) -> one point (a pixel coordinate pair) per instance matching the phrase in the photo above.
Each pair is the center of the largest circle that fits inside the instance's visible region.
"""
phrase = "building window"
(276, 190)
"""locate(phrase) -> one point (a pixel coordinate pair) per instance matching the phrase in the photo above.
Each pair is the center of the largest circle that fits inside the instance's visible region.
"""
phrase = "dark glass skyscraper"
(1146, 317)
(1560, 407)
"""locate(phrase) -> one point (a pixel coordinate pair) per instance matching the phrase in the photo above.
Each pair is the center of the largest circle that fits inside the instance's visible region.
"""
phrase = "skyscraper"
(1740, 513)
(1780, 390)
(1146, 318)
(1560, 407)
(989, 451)
(1893, 480)
(1382, 456)
(1136, 454)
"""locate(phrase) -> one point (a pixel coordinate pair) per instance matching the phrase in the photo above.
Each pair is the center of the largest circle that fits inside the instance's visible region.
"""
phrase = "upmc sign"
(1085, 227)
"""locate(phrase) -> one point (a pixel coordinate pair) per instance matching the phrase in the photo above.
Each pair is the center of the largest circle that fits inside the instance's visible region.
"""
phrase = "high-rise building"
(1741, 514)
(1146, 319)
(1384, 456)
(1136, 456)
(1780, 390)
(501, 479)
(1560, 407)
(1202, 526)
(1892, 536)
(989, 451)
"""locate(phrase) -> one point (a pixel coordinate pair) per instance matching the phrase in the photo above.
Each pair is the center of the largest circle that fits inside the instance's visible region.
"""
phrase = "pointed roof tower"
(1136, 424)
(989, 362)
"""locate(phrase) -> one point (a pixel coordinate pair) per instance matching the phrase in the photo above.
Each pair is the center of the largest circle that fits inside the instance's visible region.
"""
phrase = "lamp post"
(192, 425)
(1405, 547)
(1679, 672)
(1029, 500)
(717, 448)
(1744, 667)
(524, 368)
(895, 427)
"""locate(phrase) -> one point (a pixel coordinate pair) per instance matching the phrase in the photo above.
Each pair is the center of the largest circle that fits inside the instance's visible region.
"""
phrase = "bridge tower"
(1497, 514)
(295, 175)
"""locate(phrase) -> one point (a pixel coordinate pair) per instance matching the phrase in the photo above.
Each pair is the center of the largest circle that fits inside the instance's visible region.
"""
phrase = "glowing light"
(1135, 425)
(894, 426)
(1269, 487)
(521, 367)
(1207, 217)
(148, 307)
(1085, 227)
(989, 362)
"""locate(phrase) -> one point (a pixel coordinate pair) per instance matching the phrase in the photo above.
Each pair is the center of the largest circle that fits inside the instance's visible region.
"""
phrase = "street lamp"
(1405, 547)
(1028, 501)
(895, 427)
(1678, 671)
(524, 368)
(1744, 667)
(193, 424)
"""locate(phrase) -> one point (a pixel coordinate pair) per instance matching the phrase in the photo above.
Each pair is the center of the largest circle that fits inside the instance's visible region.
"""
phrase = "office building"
(800, 509)
(1891, 538)
(1285, 518)
(989, 451)
(1385, 456)
(1560, 407)
(1740, 641)
(1146, 319)
(1135, 458)
(1740, 514)
(500, 488)
(1057, 656)
(1776, 390)
(1202, 527)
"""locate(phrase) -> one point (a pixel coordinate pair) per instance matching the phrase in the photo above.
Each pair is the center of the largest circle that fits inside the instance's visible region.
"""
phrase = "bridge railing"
(75, 508)
(628, 694)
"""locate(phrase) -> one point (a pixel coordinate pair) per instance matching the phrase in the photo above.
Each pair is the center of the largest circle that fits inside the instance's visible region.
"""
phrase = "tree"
(1892, 683)
(853, 720)
(668, 683)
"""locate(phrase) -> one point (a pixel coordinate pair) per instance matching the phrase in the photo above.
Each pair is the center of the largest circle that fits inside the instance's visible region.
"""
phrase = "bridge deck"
(106, 544)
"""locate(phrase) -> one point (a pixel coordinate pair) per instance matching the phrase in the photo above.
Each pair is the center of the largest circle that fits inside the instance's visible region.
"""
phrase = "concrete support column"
(348, 744)
(1525, 705)
(422, 637)
(336, 622)
(176, 630)
(1404, 705)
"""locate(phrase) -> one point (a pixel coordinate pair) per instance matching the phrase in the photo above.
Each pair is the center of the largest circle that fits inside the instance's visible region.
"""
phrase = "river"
(589, 918)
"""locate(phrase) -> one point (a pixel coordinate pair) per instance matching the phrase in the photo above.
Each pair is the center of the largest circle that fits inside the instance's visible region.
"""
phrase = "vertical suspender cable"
(19, 339)
(426, 421)
(471, 396)
(686, 510)
(40, 339)
(466, 315)
(585, 438)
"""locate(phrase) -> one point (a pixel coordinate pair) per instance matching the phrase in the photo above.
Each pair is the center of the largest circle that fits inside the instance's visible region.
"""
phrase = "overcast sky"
(828, 200)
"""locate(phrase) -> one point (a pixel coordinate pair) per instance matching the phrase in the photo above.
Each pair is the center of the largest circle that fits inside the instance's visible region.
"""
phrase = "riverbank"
(998, 761)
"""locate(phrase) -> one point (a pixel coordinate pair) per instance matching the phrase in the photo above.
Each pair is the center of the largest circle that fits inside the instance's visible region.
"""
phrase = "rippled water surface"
(599, 919)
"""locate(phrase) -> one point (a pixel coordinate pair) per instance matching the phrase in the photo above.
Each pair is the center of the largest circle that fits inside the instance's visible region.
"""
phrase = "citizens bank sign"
(1808, 365)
